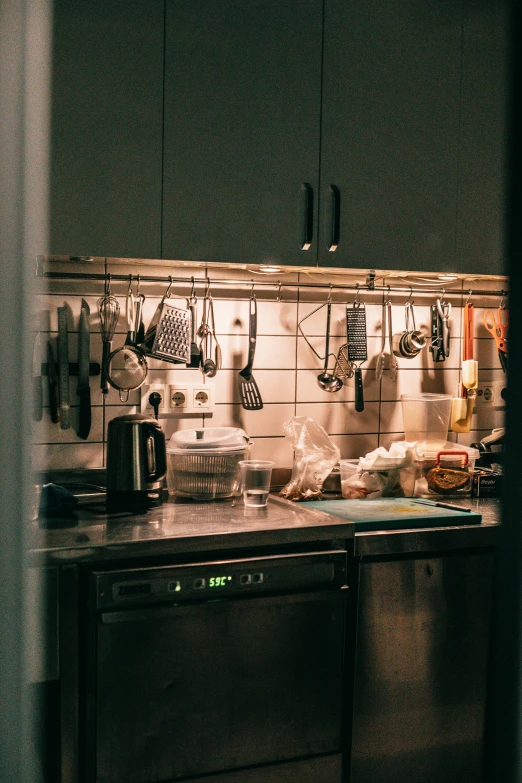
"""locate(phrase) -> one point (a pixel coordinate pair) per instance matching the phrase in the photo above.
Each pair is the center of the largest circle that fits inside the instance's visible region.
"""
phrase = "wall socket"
(180, 399)
(489, 393)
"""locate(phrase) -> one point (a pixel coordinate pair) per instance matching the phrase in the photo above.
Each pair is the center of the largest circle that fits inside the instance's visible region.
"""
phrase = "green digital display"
(219, 581)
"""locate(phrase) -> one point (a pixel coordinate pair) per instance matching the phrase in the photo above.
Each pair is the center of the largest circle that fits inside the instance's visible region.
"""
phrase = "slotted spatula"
(248, 391)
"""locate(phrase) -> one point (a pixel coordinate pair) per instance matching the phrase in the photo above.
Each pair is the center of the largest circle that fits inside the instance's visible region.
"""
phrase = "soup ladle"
(328, 382)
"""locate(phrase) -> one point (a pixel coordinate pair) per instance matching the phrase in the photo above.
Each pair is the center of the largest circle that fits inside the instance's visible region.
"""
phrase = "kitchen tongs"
(248, 391)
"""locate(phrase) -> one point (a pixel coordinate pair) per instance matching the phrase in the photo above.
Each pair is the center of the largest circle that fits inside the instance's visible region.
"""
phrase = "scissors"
(496, 322)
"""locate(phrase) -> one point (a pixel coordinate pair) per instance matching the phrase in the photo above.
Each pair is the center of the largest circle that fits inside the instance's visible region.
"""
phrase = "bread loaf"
(446, 481)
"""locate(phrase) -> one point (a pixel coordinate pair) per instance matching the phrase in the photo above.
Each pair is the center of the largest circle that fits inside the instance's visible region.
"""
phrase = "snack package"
(315, 455)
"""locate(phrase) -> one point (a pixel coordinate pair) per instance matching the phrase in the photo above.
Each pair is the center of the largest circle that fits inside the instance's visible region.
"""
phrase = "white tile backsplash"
(340, 418)
(285, 368)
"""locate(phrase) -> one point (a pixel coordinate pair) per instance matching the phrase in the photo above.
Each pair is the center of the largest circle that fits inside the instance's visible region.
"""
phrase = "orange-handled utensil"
(496, 322)
(469, 331)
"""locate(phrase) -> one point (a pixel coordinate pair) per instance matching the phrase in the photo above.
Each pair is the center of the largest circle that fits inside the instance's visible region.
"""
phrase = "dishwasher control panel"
(209, 580)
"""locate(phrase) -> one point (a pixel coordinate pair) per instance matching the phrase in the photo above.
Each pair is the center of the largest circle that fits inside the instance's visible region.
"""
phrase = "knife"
(83, 388)
(63, 367)
(37, 380)
(53, 383)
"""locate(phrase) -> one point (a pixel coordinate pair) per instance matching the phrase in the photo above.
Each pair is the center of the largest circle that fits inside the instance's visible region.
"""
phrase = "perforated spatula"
(248, 391)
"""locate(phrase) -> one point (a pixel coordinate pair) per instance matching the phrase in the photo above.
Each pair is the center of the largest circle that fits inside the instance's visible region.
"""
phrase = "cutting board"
(394, 514)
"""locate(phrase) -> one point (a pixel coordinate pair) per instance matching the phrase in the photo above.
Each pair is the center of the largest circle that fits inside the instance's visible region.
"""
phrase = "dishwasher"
(230, 671)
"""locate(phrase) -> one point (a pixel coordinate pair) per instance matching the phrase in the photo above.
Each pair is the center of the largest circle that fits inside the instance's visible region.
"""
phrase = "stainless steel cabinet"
(106, 128)
(421, 661)
(242, 112)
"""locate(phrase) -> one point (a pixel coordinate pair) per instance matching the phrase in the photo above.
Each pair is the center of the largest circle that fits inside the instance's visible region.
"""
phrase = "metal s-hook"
(129, 291)
(167, 292)
(193, 288)
(207, 287)
(279, 298)
(329, 299)
(410, 296)
(387, 296)
(252, 296)
(502, 301)
(357, 302)
(108, 284)
(469, 297)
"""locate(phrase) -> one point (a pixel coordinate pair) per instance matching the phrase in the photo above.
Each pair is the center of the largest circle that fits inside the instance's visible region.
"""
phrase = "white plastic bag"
(381, 473)
(315, 457)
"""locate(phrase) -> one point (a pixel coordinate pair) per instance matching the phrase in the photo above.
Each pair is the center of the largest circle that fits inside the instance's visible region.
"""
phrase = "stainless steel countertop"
(178, 527)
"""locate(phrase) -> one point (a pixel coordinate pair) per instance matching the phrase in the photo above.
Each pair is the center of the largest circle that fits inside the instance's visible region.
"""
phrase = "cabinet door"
(390, 132)
(421, 670)
(242, 106)
(483, 142)
(106, 127)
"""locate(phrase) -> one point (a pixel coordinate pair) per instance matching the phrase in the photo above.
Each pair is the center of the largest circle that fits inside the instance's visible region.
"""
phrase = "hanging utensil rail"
(259, 284)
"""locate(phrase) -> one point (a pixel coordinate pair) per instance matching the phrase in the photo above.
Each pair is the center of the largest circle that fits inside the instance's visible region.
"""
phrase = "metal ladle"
(209, 366)
(328, 382)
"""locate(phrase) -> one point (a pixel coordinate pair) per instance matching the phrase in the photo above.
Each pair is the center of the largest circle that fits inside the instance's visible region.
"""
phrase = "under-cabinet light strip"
(258, 284)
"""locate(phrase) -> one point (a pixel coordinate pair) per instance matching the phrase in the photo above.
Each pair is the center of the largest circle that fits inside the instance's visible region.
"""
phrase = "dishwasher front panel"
(209, 686)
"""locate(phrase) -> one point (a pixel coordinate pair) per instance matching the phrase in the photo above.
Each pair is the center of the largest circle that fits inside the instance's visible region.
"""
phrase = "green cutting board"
(394, 514)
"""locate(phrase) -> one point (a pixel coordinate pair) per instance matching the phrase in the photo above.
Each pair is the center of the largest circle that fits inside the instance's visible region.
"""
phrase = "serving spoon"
(328, 382)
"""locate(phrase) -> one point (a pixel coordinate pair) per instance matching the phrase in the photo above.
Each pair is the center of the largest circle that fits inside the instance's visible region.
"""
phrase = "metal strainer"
(127, 369)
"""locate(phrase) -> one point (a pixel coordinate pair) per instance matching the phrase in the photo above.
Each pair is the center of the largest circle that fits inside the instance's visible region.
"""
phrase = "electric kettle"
(136, 463)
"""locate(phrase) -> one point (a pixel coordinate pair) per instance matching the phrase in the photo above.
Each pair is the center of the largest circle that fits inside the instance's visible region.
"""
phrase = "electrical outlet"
(489, 393)
(201, 398)
(189, 399)
(178, 397)
(146, 391)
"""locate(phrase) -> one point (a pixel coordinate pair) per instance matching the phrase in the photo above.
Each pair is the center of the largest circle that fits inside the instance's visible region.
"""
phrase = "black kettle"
(136, 463)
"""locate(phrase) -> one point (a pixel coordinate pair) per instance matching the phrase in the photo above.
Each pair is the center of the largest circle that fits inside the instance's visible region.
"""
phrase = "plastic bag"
(315, 457)
(381, 473)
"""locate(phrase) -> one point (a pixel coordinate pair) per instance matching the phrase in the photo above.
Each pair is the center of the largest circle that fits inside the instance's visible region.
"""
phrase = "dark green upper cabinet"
(390, 132)
(483, 137)
(242, 112)
(106, 127)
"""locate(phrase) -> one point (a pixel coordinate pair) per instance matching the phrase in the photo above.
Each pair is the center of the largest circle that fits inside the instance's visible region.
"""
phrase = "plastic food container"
(447, 472)
(204, 463)
(396, 481)
(426, 419)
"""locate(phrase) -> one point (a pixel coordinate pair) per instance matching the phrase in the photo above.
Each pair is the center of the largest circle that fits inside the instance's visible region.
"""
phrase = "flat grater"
(357, 346)
(169, 334)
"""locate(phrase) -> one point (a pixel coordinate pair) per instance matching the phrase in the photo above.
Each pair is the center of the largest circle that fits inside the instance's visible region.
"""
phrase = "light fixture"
(450, 278)
(267, 269)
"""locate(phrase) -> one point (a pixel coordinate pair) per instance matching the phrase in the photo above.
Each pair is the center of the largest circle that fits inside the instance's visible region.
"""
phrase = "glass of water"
(255, 481)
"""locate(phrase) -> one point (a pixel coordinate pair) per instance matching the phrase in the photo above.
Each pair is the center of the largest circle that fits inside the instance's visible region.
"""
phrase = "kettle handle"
(157, 455)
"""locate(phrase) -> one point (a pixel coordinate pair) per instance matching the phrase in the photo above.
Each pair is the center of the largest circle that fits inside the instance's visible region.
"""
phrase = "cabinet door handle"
(307, 194)
(335, 215)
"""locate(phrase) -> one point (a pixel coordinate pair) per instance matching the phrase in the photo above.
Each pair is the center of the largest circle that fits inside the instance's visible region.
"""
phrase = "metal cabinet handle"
(307, 193)
(335, 215)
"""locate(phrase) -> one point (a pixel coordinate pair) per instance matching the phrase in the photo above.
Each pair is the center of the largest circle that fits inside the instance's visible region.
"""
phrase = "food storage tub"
(426, 419)
(204, 463)
(396, 481)
(445, 473)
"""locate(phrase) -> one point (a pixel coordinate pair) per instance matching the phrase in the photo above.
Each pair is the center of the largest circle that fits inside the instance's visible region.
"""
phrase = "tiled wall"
(285, 368)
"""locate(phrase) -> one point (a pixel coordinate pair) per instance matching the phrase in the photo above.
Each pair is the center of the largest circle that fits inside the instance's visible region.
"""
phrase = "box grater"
(168, 336)
(357, 346)
(356, 333)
